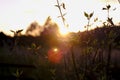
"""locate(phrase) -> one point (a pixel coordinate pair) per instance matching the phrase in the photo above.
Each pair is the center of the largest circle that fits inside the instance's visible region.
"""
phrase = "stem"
(74, 64)
(108, 13)
(108, 61)
(65, 65)
(88, 24)
(60, 12)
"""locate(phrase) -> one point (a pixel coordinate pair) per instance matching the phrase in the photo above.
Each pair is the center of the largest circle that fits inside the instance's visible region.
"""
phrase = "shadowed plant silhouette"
(109, 20)
(60, 7)
(34, 29)
(17, 74)
(16, 36)
(17, 33)
(88, 16)
(88, 55)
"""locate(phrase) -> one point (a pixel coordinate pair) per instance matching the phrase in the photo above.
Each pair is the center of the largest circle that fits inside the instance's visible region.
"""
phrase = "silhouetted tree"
(6, 40)
(50, 33)
(34, 29)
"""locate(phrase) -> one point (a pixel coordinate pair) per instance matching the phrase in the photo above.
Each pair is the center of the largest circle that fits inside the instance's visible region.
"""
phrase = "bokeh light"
(54, 55)
(55, 50)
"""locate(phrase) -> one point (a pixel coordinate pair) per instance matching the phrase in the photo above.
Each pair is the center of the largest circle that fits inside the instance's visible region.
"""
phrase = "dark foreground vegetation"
(88, 55)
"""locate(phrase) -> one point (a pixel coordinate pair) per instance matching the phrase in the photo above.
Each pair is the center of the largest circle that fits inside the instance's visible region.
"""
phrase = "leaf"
(58, 16)
(96, 19)
(19, 31)
(62, 15)
(110, 21)
(21, 72)
(63, 19)
(17, 73)
(53, 71)
(91, 14)
(56, 5)
(104, 8)
(86, 15)
(33, 45)
(63, 5)
(108, 6)
(12, 31)
(14, 74)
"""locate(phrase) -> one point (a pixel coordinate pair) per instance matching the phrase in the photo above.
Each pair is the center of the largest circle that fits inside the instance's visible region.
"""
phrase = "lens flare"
(55, 49)
(54, 55)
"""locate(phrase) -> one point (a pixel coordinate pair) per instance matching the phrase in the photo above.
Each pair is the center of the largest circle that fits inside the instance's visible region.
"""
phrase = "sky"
(18, 14)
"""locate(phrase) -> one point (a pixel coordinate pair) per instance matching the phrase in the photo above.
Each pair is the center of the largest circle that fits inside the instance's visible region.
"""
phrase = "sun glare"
(64, 31)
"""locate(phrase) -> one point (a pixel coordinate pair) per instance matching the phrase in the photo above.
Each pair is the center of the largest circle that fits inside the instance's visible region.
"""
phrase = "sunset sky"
(18, 14)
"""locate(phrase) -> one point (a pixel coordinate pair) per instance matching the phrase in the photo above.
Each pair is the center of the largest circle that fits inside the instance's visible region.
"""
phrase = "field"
(51, 56)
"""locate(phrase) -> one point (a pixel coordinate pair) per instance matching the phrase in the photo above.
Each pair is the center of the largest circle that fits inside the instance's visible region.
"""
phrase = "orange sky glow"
(18, 14)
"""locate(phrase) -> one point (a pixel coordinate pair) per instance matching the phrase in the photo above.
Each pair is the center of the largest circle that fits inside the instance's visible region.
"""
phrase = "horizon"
(17, 15)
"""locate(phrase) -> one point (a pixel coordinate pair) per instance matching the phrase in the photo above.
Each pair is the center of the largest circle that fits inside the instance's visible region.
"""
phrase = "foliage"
(60, 7)
(88, 16)
(88, 55)
(17, 74)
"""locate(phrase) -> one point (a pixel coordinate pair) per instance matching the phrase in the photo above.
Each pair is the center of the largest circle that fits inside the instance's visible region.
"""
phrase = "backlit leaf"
(91, 14)
(33, 45)
(86, 15)
(96, 19)
(19, 31)
(108, 6)
(104, 8)
(63, 5)
(12, 31)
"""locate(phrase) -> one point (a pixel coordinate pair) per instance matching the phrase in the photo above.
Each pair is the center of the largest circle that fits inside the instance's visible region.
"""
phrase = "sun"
(64, 31)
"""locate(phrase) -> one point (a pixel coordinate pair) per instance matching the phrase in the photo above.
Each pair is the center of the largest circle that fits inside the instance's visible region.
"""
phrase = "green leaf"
(17, 73)
(33, 45)
(53, 71)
